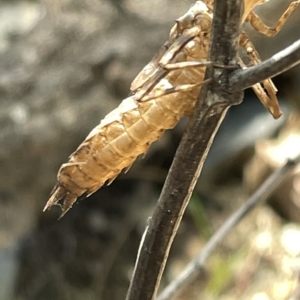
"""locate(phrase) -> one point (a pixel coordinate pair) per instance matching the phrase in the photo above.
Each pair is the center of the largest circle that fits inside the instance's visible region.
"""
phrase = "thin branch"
(209, 112)
(277, 64)
(196, 266)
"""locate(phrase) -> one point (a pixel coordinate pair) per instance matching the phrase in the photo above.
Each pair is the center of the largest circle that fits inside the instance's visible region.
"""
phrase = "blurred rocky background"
(64, 65)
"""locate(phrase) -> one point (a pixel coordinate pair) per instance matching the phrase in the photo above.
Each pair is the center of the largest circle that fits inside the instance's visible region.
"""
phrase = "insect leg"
(190, 64)
(267, 92)
(261, 27)
(186, 64)
(171, 90)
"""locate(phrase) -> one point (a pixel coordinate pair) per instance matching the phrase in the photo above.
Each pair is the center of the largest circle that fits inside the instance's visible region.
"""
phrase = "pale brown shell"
(141, 119)
(161, 97)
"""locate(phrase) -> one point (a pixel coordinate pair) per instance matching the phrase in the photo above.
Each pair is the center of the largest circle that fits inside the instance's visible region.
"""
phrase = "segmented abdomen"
(127, 132)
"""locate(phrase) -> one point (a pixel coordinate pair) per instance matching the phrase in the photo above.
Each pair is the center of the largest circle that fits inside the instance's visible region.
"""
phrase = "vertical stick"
(209, 112)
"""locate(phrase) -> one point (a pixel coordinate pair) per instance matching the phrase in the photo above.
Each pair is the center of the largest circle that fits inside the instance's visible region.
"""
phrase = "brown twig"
(196, 266)
(209, 112)
(277, 64)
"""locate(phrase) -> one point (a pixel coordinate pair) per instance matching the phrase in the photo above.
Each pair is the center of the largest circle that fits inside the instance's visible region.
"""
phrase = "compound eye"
(204, 21)
(183, 24)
